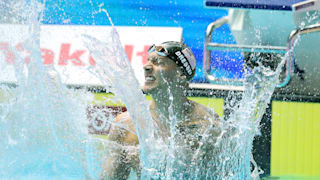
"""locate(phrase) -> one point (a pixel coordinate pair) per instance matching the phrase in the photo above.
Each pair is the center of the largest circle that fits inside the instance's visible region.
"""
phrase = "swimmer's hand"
(266, 60)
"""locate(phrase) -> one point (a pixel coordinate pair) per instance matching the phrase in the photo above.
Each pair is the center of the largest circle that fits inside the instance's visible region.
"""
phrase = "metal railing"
(209, 46)
(207, 55)
(291, 58)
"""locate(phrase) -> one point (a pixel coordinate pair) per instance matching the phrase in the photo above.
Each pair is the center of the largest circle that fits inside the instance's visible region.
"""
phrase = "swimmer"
(170, 67)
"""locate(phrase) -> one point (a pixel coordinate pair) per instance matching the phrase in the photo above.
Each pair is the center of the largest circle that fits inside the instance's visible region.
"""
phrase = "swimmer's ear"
(182, 76)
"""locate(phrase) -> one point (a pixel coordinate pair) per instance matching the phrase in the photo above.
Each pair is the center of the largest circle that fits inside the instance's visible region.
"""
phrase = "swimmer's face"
(160, 73)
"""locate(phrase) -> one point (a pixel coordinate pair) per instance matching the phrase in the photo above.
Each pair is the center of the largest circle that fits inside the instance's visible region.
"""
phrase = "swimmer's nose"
(148, 67)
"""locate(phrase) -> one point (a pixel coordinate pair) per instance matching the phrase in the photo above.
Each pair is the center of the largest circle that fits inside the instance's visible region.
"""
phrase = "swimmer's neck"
(173, 103)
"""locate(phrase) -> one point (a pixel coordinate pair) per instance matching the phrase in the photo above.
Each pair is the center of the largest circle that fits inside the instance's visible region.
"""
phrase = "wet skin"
(163, 79)
(161, 73)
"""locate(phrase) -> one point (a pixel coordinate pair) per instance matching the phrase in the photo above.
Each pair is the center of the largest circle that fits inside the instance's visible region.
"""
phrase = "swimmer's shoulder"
(206, 120)
(204, 112)
(204, 115)
(122, 130)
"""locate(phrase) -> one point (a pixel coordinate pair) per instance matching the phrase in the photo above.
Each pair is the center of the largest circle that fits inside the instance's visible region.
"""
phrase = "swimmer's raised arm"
(117, 164)
(260, 82)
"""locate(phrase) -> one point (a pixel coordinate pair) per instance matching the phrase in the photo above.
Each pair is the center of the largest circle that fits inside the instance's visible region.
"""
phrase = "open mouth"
(150, 78)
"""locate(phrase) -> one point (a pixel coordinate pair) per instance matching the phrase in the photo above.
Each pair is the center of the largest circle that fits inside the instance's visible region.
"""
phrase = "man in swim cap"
(170, 67)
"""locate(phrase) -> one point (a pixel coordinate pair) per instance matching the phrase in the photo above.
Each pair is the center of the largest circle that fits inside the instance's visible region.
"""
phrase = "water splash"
(43, 124)
(231, 155)
(113, 68)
